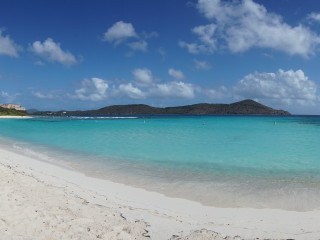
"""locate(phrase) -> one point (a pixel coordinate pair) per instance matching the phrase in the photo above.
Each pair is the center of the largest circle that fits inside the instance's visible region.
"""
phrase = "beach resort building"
(13, 106)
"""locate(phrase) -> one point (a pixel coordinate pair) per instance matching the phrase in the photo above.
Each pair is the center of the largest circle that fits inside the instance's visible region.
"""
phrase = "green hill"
(244, 107)
(11, 112)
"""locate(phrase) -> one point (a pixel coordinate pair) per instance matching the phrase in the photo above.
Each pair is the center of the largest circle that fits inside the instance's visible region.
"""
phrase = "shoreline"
(243, 193)
(10, 117)
(164, 216)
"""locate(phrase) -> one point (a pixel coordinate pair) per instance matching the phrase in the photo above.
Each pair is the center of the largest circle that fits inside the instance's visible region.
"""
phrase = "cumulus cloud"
(194, 48)
(173, 90)
(143, 86)
(143, 77)
(119, 32)
(130, 91)
(7, 97)
(52, 52)
(164, 90)
(147, 35)
(39, 63)
(201, 65)
(8, 46)
(162, 53)
(205, 34)
(314, 16)
(221, 92)
(284, 86)
(141, 45)
(241, 25)
(124, 33)
(44, 95)
(94, 89)
(177, 74)
(281, 88)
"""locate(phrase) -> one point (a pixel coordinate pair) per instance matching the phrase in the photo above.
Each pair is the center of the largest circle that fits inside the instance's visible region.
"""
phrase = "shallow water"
(228, 161)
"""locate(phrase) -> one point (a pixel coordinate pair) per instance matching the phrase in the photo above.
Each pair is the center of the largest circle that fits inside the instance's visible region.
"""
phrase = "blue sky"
(89, 54)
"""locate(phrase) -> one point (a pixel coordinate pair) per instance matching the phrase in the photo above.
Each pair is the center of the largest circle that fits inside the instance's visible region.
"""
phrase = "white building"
(13, 106)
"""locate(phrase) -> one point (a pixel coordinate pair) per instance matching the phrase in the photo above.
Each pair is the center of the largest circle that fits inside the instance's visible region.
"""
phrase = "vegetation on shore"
(11, 112)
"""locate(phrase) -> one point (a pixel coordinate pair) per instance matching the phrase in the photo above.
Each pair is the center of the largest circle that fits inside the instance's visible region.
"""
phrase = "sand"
(40, 200)
(33, 210)
(15, 117)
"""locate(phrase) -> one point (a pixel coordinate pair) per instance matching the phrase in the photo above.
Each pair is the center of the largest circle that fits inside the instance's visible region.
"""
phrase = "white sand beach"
(44, 201)
(14, 117)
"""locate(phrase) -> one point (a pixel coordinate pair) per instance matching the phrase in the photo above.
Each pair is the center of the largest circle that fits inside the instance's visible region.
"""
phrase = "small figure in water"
(203, 123)
(274, 123)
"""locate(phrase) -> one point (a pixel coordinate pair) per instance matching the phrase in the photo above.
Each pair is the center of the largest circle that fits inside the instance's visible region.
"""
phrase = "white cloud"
(144, 86)
(124, 33)
(173, 90)
(147, 35)
(314, 16)
(119, 32)
(94, 89)
(143, 77)
(8, 98)
(165, 90)
(241, 25)
(177, 74)
(194, 48)
(52, 52)
(43, 95)
(141, 45)
(131, 91)
(162, 53)
(7, 46)
(201, 65)
(284, 86)
(39, 63)
(205, 34)
(219, 93)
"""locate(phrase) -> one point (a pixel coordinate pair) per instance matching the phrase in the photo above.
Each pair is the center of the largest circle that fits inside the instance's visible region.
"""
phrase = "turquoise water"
(232, 161)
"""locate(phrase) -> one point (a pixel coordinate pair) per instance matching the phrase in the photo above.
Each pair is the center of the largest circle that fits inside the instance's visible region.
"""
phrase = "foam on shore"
(145, 213)
(9, 117)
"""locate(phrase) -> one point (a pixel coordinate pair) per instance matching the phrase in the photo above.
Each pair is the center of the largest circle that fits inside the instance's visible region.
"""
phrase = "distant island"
(245, 107)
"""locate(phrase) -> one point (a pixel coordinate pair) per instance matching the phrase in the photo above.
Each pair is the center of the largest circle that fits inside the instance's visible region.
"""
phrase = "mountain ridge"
(244, 107)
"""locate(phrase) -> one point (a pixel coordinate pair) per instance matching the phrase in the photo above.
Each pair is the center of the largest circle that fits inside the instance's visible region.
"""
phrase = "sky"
(88, 54)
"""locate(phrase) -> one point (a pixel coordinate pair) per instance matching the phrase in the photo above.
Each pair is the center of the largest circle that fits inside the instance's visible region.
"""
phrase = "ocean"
(222, 161)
